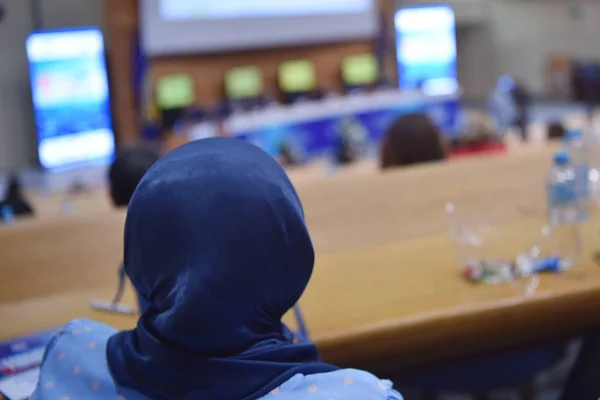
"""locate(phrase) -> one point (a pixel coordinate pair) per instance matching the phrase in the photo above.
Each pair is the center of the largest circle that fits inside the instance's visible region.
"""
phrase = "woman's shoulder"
(344, 384)
(74, 363)
(87, 327)
(81, 334)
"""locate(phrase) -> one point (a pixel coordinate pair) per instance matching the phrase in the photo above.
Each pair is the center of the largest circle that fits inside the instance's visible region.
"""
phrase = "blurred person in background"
(216, 242)
(124, 175)
(412, 139)
(127, 170)
(556, 130)
(522, 100)
(350, 140)
(15, 200)
(502, 105)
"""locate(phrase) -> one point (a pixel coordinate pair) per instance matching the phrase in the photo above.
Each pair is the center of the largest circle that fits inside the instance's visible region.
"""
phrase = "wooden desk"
(386, 283)
(402, 301)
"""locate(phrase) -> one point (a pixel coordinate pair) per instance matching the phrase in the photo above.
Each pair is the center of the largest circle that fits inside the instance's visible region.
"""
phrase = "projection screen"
(207, 26)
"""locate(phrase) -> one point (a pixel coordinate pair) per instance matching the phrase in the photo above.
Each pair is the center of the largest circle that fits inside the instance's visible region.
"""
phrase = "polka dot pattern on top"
(74, 368)
(346, 384)
(74, 365)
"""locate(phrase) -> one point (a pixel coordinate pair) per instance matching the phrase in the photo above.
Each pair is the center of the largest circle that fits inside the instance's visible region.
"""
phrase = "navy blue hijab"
(216, 243)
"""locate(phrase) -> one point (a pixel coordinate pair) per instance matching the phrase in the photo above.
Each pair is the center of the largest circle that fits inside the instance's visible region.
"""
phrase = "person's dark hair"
(556, 130)
(130, 165)
(412, 139)
(13, 188)
(15, 198)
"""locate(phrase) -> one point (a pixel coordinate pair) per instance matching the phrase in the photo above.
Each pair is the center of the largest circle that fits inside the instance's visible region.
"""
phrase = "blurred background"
(493, 38)
(431, 143)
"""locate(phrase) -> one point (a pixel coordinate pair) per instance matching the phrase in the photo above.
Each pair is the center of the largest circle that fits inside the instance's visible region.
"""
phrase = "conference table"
(386, 289)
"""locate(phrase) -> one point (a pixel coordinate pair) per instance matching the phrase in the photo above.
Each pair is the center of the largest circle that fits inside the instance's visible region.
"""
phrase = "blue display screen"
(426, 49)
(71, 97)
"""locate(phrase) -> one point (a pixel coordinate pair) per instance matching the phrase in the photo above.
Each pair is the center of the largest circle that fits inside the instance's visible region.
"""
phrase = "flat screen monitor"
(201, 26)
(360, 70)
(244, 83)
(297, 76)
(71, 99)
(426, 49)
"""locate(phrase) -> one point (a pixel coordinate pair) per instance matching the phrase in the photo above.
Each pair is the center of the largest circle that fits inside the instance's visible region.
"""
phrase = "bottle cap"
(573, 134)
(561, 158)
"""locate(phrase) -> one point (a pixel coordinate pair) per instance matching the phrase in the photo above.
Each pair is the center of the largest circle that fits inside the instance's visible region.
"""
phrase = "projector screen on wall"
(204, 26)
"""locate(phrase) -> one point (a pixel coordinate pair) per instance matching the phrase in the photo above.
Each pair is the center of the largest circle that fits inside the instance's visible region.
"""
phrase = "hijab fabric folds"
(216, 243)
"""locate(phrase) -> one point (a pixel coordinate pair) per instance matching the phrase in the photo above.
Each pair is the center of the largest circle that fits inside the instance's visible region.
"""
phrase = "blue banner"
(314, 137)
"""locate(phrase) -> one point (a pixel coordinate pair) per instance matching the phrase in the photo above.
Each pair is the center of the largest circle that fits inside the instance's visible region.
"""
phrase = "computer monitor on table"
(244, 88)
(360, 72)
(174, 94)
(297, 80)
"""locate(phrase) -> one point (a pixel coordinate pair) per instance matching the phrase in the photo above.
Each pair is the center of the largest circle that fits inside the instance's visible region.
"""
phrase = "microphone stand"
(116, 306)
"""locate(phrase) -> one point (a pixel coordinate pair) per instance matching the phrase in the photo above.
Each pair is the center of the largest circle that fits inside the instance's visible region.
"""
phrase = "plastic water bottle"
(561, 240)
(579, 160)
(562, 191)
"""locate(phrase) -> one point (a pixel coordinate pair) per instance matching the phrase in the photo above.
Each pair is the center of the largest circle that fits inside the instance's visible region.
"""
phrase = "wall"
(519, 38)
(17, 129)
(476, 61)
(526, 33)
(17, 135)
(60, 13)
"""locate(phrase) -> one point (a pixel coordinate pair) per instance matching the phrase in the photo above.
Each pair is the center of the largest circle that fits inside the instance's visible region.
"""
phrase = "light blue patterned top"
(74, 368)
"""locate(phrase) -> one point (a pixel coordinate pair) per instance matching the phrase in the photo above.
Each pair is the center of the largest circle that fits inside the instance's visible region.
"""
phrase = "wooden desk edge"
(450, 333)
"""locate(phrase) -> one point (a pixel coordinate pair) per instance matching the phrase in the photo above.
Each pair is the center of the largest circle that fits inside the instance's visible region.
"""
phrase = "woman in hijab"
(216, 244)
(502, 104)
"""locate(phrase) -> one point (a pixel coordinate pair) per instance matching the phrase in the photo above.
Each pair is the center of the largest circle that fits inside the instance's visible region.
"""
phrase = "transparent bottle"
(558, 248)
(562, 191)
(561, 239)
(579, 156)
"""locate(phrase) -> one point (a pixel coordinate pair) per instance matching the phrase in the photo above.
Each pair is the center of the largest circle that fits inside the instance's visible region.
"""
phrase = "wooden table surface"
(386, 284)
